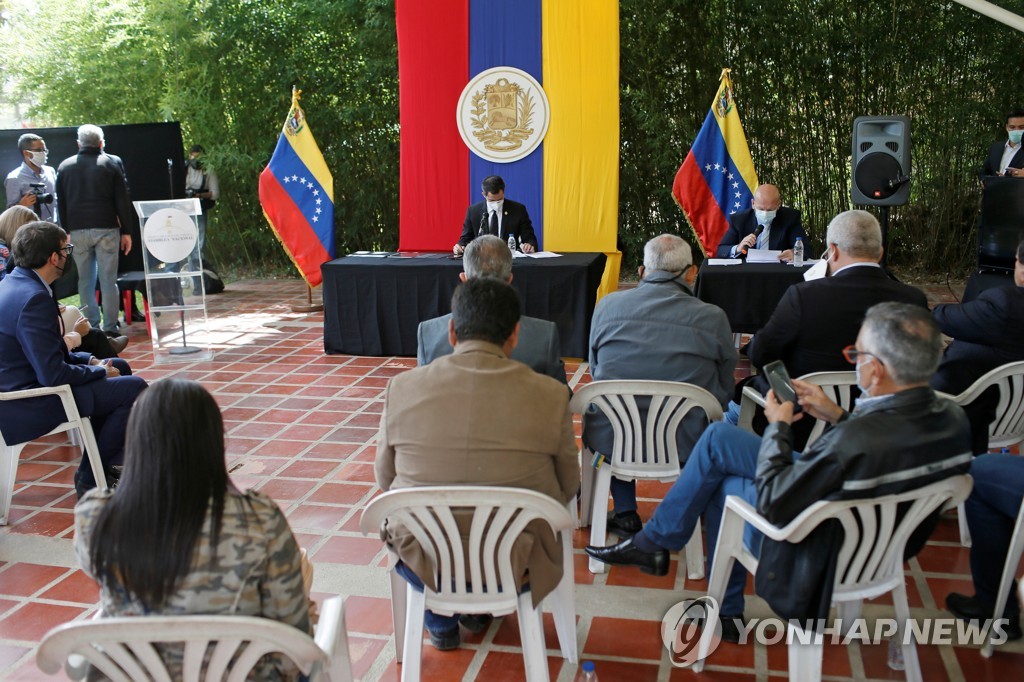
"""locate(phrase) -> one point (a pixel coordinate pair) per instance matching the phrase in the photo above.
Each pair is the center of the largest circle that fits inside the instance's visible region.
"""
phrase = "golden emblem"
(501, 115)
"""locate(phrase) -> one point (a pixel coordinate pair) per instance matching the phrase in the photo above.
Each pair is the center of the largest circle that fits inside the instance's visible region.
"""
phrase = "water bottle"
(895, 656)
(798, 252)
(586, 672)
(512, 243)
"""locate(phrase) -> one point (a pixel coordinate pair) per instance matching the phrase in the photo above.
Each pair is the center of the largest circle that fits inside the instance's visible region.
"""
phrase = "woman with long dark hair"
(176, 537)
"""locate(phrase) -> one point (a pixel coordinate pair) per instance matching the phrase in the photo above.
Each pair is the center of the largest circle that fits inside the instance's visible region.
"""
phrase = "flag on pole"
(297, 195)
(717, 178)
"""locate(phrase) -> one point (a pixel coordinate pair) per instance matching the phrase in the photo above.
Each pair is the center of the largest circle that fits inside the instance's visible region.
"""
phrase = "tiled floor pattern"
(301, 428)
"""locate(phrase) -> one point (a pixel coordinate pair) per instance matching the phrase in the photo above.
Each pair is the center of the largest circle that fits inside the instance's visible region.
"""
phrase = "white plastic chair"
(870, 560)
(9, 453)
(640, 449)
(1008, 427)
(838, 386)
(123, 648)
(486, 582)
(1013, 555)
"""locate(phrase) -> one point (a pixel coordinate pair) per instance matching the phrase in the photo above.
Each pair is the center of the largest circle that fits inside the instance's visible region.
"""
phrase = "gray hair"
(906, 338)
(856, 233)
(667, 252)
(487, 256)
(90, 136)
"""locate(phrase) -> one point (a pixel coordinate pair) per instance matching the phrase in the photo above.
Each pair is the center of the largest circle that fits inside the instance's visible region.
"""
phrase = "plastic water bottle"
(512, 243)
(586, 672)
(798, 252)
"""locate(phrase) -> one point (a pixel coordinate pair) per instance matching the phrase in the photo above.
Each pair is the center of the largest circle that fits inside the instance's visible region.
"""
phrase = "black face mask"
(195, 163)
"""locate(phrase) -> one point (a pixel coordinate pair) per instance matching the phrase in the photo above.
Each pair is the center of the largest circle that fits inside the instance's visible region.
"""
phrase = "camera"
(189, 192)
(42, 196)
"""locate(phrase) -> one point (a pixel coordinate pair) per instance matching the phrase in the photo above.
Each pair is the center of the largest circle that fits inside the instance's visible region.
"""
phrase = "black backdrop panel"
(153, 156)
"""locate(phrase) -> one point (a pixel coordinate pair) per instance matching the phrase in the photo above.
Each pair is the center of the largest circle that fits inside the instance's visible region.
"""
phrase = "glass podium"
(174, 280)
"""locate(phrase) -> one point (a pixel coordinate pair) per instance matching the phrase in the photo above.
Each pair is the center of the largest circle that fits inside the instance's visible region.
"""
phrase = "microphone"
(898, 182)
(483, 224)
(757, 233)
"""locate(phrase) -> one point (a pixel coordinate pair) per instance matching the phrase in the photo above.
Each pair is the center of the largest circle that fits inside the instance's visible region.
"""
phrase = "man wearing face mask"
(499, 216)
(661, 331)
(32, 183)
(899, 437)
(1007, 158)
(779, 227)
(201, 183)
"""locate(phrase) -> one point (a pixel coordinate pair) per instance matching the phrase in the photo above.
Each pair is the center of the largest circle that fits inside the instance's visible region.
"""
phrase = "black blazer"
(514, 220)
(815, 320)
(786, 228)
(995, 156)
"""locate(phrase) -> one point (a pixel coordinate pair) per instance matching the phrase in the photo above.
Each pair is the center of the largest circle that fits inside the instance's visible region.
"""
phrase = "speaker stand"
(885, 235)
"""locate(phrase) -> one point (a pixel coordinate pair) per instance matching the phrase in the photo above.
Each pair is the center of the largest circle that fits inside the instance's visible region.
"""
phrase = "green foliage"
(802, 71)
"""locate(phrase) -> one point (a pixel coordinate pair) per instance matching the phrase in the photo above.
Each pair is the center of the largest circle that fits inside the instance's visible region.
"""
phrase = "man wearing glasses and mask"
(31, 184)
(33, 354)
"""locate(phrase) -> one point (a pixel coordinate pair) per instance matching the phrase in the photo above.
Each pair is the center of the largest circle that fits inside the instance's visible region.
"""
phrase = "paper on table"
(540, 254)
(723, 261)
(763, 256)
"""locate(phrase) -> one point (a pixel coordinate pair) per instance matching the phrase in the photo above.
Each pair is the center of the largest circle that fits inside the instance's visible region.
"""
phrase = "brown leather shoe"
(118, 343)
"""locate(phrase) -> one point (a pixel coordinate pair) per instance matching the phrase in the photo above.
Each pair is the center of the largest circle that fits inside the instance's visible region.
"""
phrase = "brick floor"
(302, 430)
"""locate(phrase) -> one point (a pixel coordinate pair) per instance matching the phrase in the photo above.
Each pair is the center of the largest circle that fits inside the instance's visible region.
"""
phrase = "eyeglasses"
(41, 149)
(851, 354)
(67, 250)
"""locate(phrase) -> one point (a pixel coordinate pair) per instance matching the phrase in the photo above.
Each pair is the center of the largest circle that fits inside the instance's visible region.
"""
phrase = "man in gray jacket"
(539, 347)
(660, 331)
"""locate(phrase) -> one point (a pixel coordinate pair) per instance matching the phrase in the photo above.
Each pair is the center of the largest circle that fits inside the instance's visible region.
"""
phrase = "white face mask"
(864, 393)
(764, 217)
(38, 158)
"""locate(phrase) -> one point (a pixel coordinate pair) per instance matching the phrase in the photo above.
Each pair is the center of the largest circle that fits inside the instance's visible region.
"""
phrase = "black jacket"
(786, 228)
(895, 444)
(995, 157)
(514, 220)
(92, 192)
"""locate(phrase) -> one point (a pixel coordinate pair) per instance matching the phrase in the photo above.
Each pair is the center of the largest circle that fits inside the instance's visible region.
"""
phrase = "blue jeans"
(723, 462)
(991, 515)
(436, 625)
(96, 254)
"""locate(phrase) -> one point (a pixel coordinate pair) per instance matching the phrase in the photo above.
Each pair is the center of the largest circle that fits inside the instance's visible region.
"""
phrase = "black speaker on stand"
(881, 165)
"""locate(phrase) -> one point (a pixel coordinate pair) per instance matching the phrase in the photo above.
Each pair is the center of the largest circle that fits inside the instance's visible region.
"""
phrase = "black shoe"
(730, 628)
(80, 487)
(970, 608)
(625, 524)
(445, 641)
(138, 316)
(476, 623)
(625, 553)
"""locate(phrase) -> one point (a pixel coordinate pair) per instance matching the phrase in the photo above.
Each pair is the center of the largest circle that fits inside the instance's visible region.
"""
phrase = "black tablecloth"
(748, 293)
(373, 304)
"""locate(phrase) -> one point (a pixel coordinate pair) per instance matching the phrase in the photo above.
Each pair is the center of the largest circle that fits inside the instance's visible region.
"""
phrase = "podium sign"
(1001, 226)
(174, 280)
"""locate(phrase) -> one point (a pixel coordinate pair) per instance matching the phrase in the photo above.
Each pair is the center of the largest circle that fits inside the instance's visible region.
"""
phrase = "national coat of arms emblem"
(503, 114)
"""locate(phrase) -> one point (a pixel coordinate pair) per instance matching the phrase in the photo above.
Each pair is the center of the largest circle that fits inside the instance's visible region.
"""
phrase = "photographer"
(201, 183)
(31, 184)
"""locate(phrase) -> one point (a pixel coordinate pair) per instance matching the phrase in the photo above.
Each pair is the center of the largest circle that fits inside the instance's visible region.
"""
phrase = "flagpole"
(309, 306)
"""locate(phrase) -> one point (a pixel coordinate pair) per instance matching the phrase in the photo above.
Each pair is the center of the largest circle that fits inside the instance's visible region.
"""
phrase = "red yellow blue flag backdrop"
(570, 183)
(297, 194)
(717, 177)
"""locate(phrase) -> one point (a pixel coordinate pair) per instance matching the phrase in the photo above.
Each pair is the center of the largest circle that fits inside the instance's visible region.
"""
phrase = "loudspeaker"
(881, 161)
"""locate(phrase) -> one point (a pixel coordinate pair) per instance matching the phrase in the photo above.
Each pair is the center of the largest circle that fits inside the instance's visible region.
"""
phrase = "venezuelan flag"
(297, 194)
(570, 184)
(717, 177)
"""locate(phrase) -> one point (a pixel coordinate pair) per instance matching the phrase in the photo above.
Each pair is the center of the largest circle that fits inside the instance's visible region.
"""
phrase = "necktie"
(762, 239)
(493, 228)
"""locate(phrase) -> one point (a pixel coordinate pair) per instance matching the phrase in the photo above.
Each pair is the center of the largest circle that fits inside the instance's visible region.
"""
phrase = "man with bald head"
(781, 227)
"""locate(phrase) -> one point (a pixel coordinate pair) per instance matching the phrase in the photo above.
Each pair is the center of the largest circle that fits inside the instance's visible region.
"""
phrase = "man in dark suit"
(539, 347)
(987, 332)
(33, 354)
(781, 227)
(498, 216)
(815, 320)
(1007, 158)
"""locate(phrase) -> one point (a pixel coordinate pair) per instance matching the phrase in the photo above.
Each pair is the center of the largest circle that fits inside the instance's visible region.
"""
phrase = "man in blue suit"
(987, 332)
(539, 347)
(780, 227)
(33, 354)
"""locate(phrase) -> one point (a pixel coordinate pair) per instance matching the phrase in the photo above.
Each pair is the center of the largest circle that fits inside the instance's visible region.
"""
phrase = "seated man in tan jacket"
(475, 417)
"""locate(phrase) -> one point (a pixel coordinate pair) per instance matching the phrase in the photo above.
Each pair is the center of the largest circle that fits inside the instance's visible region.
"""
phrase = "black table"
(748, 293)
(373, 304)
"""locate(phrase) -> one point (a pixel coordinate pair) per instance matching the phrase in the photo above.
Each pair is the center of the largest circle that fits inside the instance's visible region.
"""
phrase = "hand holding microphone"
(750, 240)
